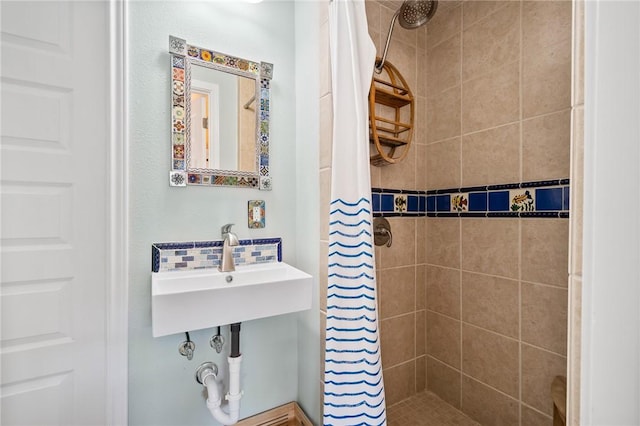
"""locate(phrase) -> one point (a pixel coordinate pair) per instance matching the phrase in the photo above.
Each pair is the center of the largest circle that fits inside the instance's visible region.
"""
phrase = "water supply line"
(207, 375)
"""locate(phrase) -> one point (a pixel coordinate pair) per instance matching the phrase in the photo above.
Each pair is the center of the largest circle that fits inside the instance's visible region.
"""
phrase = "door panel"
(54, 151)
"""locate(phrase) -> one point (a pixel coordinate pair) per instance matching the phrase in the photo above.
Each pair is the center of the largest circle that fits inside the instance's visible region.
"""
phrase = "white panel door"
(54, 146)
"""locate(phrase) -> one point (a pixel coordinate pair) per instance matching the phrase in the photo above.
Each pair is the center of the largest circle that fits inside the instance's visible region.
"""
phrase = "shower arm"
(378, 67)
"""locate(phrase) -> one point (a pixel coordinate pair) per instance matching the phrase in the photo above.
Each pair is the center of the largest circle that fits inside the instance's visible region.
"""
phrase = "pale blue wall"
(307, 124)
(162, 390)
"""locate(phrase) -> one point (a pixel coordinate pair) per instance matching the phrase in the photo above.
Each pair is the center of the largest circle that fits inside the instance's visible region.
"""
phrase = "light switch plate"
(256, 214)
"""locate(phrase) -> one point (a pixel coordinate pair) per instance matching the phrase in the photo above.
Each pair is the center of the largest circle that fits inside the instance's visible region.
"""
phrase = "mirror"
(220, 118)
(223, 121)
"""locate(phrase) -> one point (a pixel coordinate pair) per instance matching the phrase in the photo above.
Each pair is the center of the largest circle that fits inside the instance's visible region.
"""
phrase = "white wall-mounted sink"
(195, 299)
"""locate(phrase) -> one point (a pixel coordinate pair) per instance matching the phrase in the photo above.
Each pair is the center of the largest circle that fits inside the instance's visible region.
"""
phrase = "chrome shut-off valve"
(217, 341)
(187, 347)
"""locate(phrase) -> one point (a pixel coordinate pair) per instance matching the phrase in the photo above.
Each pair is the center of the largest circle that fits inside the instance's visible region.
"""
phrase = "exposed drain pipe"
(214, 400)
(235, 340)
(207, 375)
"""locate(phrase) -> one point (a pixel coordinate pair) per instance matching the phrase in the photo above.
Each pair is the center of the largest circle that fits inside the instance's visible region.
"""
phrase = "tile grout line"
(460, 236)
(516, 279)
(491, 387)
(456, 369)
(521, 147)
(426, 408)
(537, 410)
(460, 304)
(510, 123)
(460, 77)
(496, 333)
(401, 315)
(415, 306)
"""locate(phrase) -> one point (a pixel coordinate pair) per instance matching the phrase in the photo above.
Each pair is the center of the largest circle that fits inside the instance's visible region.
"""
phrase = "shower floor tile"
(426, 409)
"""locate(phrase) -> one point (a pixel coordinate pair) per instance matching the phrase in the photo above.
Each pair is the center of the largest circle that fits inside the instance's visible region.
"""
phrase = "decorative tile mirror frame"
(183, 57)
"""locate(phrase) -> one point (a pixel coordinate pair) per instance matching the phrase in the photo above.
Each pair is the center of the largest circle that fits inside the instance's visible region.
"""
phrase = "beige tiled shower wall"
(473, 309)
(498, 81)
(577, 187)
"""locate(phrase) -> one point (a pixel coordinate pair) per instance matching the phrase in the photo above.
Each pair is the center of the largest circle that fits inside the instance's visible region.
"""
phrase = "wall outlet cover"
(256, 214)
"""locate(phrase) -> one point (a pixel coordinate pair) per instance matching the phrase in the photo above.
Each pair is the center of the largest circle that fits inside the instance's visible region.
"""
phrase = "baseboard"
(285, 415)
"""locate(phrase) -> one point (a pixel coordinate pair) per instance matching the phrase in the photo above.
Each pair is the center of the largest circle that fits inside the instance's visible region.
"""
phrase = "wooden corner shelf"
(389, 100)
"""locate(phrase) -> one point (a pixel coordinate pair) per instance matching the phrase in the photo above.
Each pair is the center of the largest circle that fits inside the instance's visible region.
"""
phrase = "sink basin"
(195, 299)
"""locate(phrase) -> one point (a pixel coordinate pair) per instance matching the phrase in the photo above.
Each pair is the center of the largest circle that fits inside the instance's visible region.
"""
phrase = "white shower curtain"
(353, 385)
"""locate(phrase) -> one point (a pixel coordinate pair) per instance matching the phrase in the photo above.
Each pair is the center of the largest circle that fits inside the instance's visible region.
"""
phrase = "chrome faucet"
(230, 240)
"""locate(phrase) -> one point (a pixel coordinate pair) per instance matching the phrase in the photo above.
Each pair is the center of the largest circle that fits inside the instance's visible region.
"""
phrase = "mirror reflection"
(223, 121)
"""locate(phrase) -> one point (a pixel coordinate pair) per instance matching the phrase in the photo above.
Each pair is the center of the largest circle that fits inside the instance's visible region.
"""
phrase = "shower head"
(412, 14)
(416, 13)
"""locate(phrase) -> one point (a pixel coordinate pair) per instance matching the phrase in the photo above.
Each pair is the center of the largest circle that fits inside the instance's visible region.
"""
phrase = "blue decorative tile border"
(206, 254)
(548, 198)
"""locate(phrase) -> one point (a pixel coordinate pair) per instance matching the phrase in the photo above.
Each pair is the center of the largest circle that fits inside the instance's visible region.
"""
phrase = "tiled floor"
(426, 409)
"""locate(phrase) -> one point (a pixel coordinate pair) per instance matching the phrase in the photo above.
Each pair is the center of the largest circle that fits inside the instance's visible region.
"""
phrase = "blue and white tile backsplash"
(207, 254)
(548, 198)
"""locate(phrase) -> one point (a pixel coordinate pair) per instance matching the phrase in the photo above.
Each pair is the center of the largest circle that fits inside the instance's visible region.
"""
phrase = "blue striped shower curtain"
(353, 385)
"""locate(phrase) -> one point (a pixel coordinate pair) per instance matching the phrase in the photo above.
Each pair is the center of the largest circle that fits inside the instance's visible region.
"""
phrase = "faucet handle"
(230, 238)
(226, 229)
